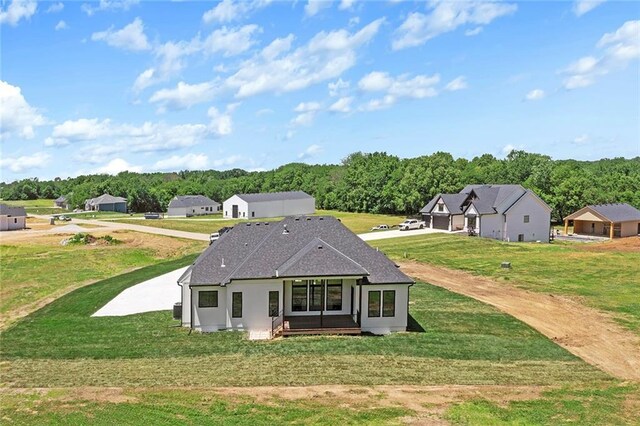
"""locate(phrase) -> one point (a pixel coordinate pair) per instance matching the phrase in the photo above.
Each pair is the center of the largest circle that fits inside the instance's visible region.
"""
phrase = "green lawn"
(41, 206)
(34, 270)
(464, 341)
(602, 277)
(357, 222)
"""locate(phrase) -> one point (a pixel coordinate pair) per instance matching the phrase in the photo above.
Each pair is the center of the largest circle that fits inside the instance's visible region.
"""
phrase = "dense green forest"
(364, 182)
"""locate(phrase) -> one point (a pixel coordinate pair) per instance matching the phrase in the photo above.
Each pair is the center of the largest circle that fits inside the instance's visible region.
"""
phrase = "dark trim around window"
(236, 305)
(389, 303)
(373, 300)
(208, 299)
(299, 296)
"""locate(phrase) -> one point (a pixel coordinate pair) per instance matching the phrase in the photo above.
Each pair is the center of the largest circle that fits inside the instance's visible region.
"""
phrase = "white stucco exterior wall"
(209, 319)
(537, 229)
(255, 304)
(491, 226)
(10, 223)
(227, 207)
(385, 325)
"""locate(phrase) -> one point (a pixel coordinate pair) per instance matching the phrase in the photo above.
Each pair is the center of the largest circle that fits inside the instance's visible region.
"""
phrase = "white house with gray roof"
(192, 205)
(12, 218)
(269, 204)
(501, 212)
(301, 275)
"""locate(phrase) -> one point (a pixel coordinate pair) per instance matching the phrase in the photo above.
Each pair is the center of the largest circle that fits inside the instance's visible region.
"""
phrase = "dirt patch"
(629, 244)
(583, 331)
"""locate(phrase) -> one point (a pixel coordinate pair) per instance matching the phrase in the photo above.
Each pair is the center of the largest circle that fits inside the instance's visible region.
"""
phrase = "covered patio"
(605, 220)
(320, 324)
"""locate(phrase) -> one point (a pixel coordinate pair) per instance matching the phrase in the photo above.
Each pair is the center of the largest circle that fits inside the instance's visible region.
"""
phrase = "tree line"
(364, 182)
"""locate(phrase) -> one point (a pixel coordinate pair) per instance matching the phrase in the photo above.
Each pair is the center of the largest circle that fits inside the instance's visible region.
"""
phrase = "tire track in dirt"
(583, 331)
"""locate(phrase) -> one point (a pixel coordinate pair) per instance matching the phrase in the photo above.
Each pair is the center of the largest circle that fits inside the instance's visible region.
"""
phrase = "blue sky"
(165, 86)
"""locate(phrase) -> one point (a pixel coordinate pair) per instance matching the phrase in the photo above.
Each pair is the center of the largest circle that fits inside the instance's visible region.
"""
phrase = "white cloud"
(581, 140)
(580, 7)
(304, 119)
(326, 56)
(18, 10)
(116, 166)
(377, 104)
(506, 150)
(311, 151)
(458, 83)
(342, 105)
(447, 16)
(55, 7)
(90, 8)
(182, 162)
(183, 96)
(131, 37)
(25, 162)
(338, 88)
(230, 10)
(346, 4)
(61, 25)
(221, 123)
(353, 21)
(231, 42)
(277, 47)
(618, 49)
(96, 154)
(227, 161)
(146, 137)
(473, 32)
(307, 106)
(16, 115)
(418, 87)
(535, 95)
(314, 6)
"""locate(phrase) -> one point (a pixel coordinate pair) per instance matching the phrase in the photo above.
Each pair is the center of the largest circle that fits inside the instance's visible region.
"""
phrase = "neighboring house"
(106, 202)
(192, 205)
(610, 220)
(301, 275)
(270, 204)
(501, 212)
(61, 202)
(12, 218)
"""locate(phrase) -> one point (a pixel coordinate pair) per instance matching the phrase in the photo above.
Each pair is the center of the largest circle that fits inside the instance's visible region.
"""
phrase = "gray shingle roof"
(487, 199)
(191, 201)
(8, 210)
(106, 199)
(258, 250)
(274, 196)
(619, 212)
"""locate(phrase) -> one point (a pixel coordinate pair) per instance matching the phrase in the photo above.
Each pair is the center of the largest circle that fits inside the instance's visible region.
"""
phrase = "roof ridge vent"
(285, 231)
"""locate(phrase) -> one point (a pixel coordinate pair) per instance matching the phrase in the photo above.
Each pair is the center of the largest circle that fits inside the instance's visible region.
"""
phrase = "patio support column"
(611, 231)
(566, 227)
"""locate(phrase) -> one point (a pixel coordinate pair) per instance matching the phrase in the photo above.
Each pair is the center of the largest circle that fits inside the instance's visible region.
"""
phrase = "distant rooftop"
(14, 211)
(191, 201)
(274, 196)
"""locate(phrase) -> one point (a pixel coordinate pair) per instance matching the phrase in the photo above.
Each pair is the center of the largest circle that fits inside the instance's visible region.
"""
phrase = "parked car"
(65, 218)
(214, 236)
(152, 215)
(411, 224)
(78, 210)
(380, 227)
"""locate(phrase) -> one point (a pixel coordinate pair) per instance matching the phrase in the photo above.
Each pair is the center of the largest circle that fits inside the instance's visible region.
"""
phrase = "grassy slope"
(39, 268)
(605, 279)
(357, 222)
(42, 206)
(464, 342)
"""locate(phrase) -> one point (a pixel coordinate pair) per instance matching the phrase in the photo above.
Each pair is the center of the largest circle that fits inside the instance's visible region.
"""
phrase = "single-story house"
(501, 212)
(192, 205)
(270, 204)
(106, 202)
(12, 218)
(610, 220)
(301, 275)
(61, 202)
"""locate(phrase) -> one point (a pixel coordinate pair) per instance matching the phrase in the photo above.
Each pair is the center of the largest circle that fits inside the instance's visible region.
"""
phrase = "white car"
(380, 227)
(411, 224)
(214, 236)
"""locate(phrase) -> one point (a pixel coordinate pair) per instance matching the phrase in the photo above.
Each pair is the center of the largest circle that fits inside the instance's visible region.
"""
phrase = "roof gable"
(191, 201)
(311, 261)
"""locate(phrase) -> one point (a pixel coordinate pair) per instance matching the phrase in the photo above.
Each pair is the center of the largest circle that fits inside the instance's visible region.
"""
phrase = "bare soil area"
(583, 331)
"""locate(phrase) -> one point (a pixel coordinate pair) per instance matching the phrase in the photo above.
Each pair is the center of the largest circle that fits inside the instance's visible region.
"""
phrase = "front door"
(234, 211)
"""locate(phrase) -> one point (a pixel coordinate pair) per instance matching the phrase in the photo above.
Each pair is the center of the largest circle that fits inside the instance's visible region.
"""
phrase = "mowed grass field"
(40, 206)
(603, 275)
(38, 269)
(356, 222)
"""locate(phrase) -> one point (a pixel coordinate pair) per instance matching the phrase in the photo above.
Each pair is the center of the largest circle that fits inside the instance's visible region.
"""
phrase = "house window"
(520, 237)
(374, 304)
(526, 218)
(315, 295)
(440, 207)
(274, 303)
(253, 214)
(389, 303)
(299, 296)
(334, 295)
(15, 220)
(208, 299)
(236, 305)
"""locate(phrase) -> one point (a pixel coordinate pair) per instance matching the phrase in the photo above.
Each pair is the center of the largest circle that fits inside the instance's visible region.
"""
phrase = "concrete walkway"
(156, 294)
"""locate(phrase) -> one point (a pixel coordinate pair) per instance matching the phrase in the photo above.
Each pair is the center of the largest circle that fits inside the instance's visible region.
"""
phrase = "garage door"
(441, 222)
